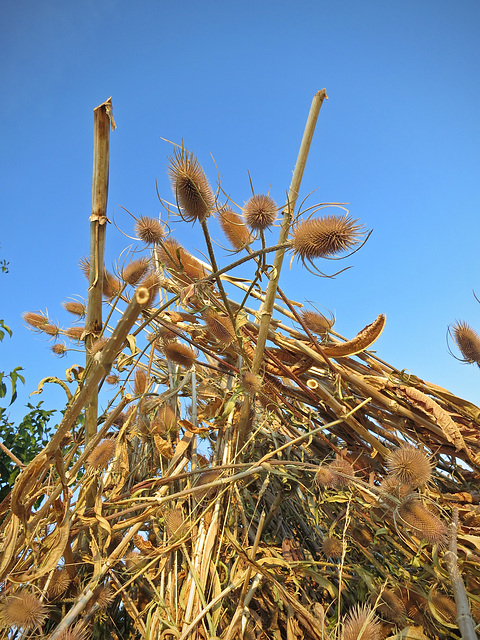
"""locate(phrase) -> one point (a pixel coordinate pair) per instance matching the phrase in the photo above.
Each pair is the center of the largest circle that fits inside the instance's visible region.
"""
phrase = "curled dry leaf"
(423, 402)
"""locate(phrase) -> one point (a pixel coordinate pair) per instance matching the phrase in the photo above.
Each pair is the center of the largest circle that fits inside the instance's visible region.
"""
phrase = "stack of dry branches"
(255, 475)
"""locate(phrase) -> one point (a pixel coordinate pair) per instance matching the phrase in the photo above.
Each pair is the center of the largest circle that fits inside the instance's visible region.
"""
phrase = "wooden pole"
(102, 122)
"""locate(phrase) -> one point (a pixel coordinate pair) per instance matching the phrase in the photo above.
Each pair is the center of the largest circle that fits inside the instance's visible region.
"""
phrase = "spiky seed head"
(182, 263)
(423, 523)
(251, 383)
(468, 341)
(444, 606)
(59, 583)
(175, 523)
(60, 349)
(180, 354)
(140, 381)
(101, 455)
(220, 326)
(260, 212)
(149, 230)
(190, 186)
(324, 477)
(164, 335)
(135, 271)
(50, 329)
(111, 285)
(410, 466)
(316, 323)
(152, 283)
(23, 610)
(97, 345)
(103, 596)
(332, 547)
(343, 472)
(112, 379)
(361, 624)
(75, 333)
(35, 320)
(391, 491)
(76, 632)
(234, 228)
(390, 606)
(165, 420)
(76, 308)
(84, 264)
(325, 237)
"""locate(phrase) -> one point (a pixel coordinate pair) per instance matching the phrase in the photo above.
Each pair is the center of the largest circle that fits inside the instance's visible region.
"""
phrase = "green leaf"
(4, 328)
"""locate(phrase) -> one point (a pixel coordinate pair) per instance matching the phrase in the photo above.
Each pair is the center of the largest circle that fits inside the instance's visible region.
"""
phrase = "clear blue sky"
(398, 139)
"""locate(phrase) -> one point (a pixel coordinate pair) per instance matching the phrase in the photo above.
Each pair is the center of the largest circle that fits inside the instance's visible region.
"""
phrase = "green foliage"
(24, 441)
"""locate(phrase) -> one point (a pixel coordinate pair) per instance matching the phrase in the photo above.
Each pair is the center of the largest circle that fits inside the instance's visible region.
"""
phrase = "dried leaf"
(423, 402)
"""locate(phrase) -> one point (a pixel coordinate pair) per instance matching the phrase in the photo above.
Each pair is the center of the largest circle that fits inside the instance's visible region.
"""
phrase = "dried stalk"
(103, 120)
(464, 617)
(267, 309)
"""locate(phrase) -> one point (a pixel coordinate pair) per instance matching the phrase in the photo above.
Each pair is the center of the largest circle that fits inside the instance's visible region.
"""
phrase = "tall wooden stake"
(102, 122)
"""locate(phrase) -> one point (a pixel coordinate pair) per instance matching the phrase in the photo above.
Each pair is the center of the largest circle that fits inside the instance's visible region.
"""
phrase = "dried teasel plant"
(23, 610)
(410, 466)
(259, 212)
(467, 340)
(149, 230)
(325, 237)
(234, 228)
(192, 190)
(361, 624)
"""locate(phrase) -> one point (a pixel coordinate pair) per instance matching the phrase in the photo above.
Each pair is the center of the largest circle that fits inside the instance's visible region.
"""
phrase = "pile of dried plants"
(254, 475)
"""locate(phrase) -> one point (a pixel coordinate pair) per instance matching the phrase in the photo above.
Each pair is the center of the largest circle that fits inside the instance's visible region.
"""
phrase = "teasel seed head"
(77, 632)
(332, 547)
(165, 420)
(103, 596)
(23, 610)
(410, 466)
(316, 323)
(175, 523)
(140, 382)
(84, 264)
(422, 522)
(361, 624)
(180, 354)
(251, 383)
(75, 333)
(260, 212)
(468, 341)
(390, 606)
(59, 349)
(234, 228)
(135, 271)
(220, 326)
(392, 491)
(59, 583)
(76, 308)
(101, 455)
(97, 345)
(149, 230)
(180, 262)
(324, 477)
(190, 186)
(343, 471)
(50, 329)
(112, 286)
(444, 606)
(112, 379)
(325, 237)
(35, 320)
(152, 283)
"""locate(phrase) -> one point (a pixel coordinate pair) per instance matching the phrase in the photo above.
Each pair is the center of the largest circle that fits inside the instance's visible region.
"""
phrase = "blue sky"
(398, 139)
